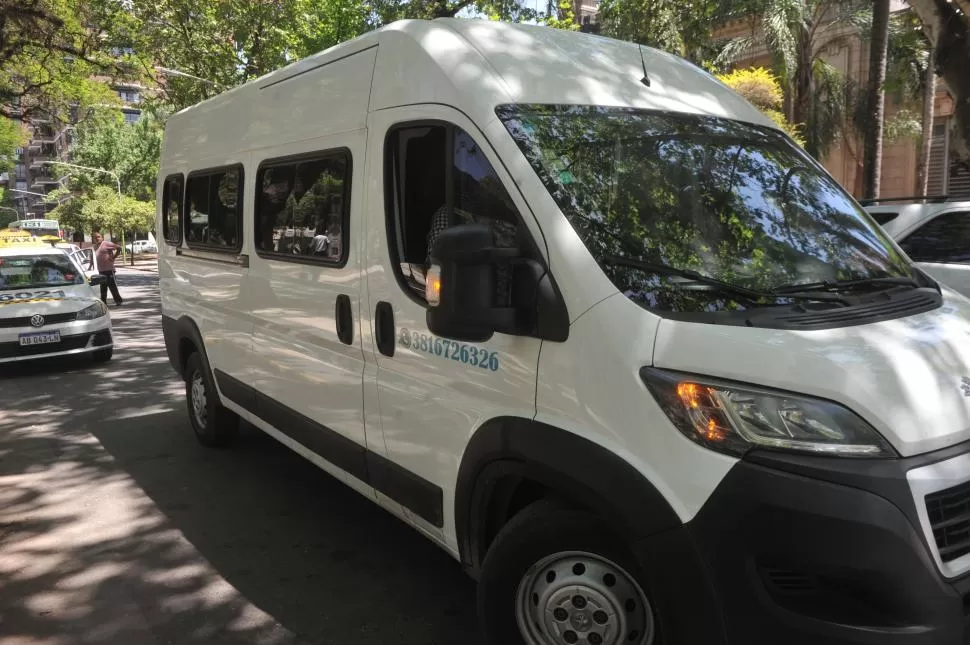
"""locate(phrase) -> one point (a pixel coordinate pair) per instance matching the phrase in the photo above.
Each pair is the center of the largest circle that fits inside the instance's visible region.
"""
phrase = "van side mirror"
(96, 280)
(466, 272)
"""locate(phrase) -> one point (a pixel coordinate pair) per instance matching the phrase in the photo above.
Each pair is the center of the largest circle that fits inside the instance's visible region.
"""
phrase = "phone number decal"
(449, 349)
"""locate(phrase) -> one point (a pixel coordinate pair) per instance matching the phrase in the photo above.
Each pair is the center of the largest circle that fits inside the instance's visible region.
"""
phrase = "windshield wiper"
(834, 285)
(752, 295)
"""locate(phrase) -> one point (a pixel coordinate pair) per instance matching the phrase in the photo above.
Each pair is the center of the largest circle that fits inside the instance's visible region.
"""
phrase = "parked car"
(141, 246)
(583, 332)
(934, 233)
(49, 307)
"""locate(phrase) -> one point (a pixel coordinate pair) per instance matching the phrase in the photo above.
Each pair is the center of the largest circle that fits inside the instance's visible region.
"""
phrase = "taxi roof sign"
(13, 238)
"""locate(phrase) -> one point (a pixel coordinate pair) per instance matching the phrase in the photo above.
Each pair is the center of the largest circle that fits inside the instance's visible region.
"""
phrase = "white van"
(587, 320)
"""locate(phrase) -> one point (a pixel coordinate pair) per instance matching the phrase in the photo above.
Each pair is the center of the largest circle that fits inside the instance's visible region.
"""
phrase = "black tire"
(102, 355)
(218, 426)
(541, 531)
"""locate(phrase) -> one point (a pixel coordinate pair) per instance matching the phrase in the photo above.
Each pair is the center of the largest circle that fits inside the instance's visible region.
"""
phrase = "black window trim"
(240, 218)
(920, 226)
(181, 214)
(345, 216)
(391, 197)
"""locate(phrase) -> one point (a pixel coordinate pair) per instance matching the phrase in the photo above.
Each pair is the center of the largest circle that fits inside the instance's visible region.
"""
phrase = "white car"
(142, 246)
(934, 233)
(48, 307)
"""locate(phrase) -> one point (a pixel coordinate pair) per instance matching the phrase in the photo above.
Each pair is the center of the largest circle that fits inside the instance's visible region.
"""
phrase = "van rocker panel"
(417, 494)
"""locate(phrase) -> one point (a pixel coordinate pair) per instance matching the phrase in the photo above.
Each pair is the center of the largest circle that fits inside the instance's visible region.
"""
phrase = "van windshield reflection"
(728, 200)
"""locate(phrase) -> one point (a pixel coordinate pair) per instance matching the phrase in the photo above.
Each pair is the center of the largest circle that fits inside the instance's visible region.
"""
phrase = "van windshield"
(728, 200)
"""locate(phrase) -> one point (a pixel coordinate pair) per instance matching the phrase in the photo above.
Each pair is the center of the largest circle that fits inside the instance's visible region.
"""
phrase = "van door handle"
(345, 320)
(384, 328)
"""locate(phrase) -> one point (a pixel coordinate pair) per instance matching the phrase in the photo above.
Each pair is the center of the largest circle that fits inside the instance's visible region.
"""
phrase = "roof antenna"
(646, 79)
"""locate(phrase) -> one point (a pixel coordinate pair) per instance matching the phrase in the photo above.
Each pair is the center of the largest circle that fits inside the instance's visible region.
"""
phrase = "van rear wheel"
(553, 576)
(214, 425)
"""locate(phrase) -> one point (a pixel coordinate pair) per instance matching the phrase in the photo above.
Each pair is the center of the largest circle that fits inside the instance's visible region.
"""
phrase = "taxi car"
(48, 306)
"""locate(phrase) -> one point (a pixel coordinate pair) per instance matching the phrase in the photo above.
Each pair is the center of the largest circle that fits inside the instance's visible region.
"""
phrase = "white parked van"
(590, 322)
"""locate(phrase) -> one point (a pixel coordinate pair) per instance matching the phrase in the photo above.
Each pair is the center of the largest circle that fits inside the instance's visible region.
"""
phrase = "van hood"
(909, 377)
(16, 303)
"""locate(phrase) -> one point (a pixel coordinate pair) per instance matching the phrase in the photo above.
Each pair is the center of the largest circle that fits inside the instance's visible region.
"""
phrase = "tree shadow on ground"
(87, 557)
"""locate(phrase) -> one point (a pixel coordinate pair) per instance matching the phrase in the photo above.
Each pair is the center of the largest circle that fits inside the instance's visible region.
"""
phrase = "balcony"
(41, 160)
(43, 181)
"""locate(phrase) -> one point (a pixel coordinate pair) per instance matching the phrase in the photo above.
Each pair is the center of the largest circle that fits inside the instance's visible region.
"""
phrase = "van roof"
(474, 65)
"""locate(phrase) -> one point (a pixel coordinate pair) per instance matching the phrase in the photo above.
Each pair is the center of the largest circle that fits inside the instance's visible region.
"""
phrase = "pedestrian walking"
(106, 253)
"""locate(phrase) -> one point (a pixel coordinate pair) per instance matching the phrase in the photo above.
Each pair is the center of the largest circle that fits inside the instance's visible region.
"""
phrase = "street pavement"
(117, 528)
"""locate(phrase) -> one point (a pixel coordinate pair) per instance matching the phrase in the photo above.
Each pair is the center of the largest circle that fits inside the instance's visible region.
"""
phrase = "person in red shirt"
(106, 253)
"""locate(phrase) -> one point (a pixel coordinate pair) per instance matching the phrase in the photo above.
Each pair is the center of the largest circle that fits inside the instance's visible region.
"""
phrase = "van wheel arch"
(511, 462)
(189, 341)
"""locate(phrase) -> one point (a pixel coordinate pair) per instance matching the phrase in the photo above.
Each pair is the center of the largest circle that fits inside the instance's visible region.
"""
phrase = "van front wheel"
(554, 576)
(214, 425)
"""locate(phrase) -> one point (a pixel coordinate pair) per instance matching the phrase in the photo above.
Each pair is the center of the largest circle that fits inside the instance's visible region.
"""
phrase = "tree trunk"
(926, 143)
(802, 99)
(872, 152)
(949, 31)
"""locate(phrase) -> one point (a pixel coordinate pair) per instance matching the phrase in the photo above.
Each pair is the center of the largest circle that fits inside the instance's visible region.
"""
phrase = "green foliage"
(229, 42)
(797, 32)
(50, 51)
(12, 136)
(682, 27)
(761, 88)
(905, 124)
(101, 209)
(131, 151)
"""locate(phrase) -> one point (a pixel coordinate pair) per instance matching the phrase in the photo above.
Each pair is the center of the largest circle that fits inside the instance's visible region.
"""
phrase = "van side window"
(214, 217)
(944, 239)
(172, 209)
(303, 207)
(438, 176)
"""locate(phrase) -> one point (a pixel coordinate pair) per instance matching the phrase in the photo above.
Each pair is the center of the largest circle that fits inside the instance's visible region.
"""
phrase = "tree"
(228, 42)
(797, 32)
(12, 136)
(49, 51)
(926, 142)
(102, 210)
(876, 99)
(947, 26)
(131, 151)
(761, 88)
(682, 27)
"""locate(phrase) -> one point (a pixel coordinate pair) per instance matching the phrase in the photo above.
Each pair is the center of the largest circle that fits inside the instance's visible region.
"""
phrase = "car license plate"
(40, 338)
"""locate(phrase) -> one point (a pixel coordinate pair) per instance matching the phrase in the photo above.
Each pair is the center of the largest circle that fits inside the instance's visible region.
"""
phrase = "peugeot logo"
(37, 320)
(965, 385)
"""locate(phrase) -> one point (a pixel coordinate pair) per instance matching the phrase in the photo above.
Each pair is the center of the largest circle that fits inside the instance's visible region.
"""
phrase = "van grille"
(52, 319)
(949, 513)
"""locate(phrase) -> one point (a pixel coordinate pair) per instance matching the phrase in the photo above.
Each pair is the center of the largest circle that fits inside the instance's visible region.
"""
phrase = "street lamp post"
(117, 180)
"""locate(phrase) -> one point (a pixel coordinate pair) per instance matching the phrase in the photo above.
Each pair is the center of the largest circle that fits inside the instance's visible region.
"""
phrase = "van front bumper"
(802, 550)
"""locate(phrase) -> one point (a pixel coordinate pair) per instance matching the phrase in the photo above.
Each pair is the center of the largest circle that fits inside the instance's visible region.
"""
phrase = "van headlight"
(91, 312)
(734, 419)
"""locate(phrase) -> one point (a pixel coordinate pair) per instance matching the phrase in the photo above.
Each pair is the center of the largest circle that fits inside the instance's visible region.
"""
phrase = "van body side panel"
(589, 385)
(298, 360)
